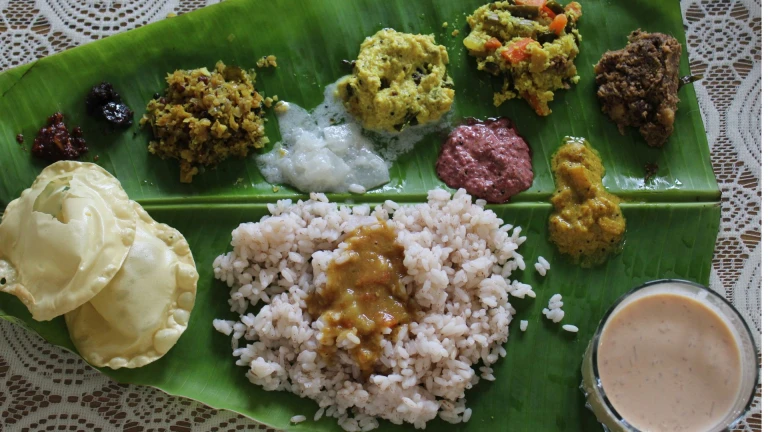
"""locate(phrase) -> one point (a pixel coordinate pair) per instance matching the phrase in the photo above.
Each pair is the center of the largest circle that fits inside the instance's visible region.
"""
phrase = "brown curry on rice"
(363, 295)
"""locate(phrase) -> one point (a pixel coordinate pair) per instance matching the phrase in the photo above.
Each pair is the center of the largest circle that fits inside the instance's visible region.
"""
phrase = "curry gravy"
(586, 223)
(668, 362)
(364, 294)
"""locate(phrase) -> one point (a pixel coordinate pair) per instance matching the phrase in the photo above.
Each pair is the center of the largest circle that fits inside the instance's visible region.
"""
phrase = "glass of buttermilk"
(670, 355)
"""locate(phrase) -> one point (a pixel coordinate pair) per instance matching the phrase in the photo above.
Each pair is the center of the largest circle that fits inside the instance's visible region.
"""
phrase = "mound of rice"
(459, 259)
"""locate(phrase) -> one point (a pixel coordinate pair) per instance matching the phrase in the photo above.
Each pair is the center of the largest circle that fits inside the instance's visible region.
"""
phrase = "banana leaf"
(310, 40)
(672, 220)
(536, 385)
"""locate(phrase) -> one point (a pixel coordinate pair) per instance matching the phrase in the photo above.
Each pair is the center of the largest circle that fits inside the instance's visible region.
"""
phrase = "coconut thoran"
(205, 117)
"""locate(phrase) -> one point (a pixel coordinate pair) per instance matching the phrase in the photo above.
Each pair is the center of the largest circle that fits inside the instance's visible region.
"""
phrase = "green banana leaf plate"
(672, 219)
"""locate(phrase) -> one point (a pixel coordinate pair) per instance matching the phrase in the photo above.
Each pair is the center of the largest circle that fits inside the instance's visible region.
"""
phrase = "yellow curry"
(364, 295)
(587, 223)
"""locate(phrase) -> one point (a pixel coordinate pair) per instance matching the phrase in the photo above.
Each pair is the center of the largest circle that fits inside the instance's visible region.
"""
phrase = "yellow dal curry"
(587, 223)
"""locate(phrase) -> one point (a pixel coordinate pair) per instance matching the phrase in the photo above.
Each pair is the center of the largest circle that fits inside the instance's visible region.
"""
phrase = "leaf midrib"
(634, 197)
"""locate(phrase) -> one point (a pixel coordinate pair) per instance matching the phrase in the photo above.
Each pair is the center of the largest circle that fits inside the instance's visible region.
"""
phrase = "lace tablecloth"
(43, 387)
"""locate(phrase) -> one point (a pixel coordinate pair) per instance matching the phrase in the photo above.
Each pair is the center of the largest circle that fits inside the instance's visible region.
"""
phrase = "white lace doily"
(45, 388)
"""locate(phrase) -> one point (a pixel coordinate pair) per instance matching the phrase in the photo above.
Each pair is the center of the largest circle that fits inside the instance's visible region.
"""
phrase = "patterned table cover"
(43, 387)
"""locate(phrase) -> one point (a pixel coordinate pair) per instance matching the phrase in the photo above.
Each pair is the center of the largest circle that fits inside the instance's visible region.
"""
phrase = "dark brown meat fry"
(637, 85)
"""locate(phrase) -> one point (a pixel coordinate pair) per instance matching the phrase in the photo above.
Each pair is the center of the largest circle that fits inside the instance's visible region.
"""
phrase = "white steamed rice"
(541, 266)
(459, 259)
(554, 311)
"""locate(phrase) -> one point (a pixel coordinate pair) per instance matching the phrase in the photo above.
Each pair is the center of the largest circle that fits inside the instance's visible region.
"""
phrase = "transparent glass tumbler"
(592, 386)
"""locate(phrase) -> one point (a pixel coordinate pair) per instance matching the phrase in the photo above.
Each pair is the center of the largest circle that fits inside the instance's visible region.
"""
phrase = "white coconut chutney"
(328, 151)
